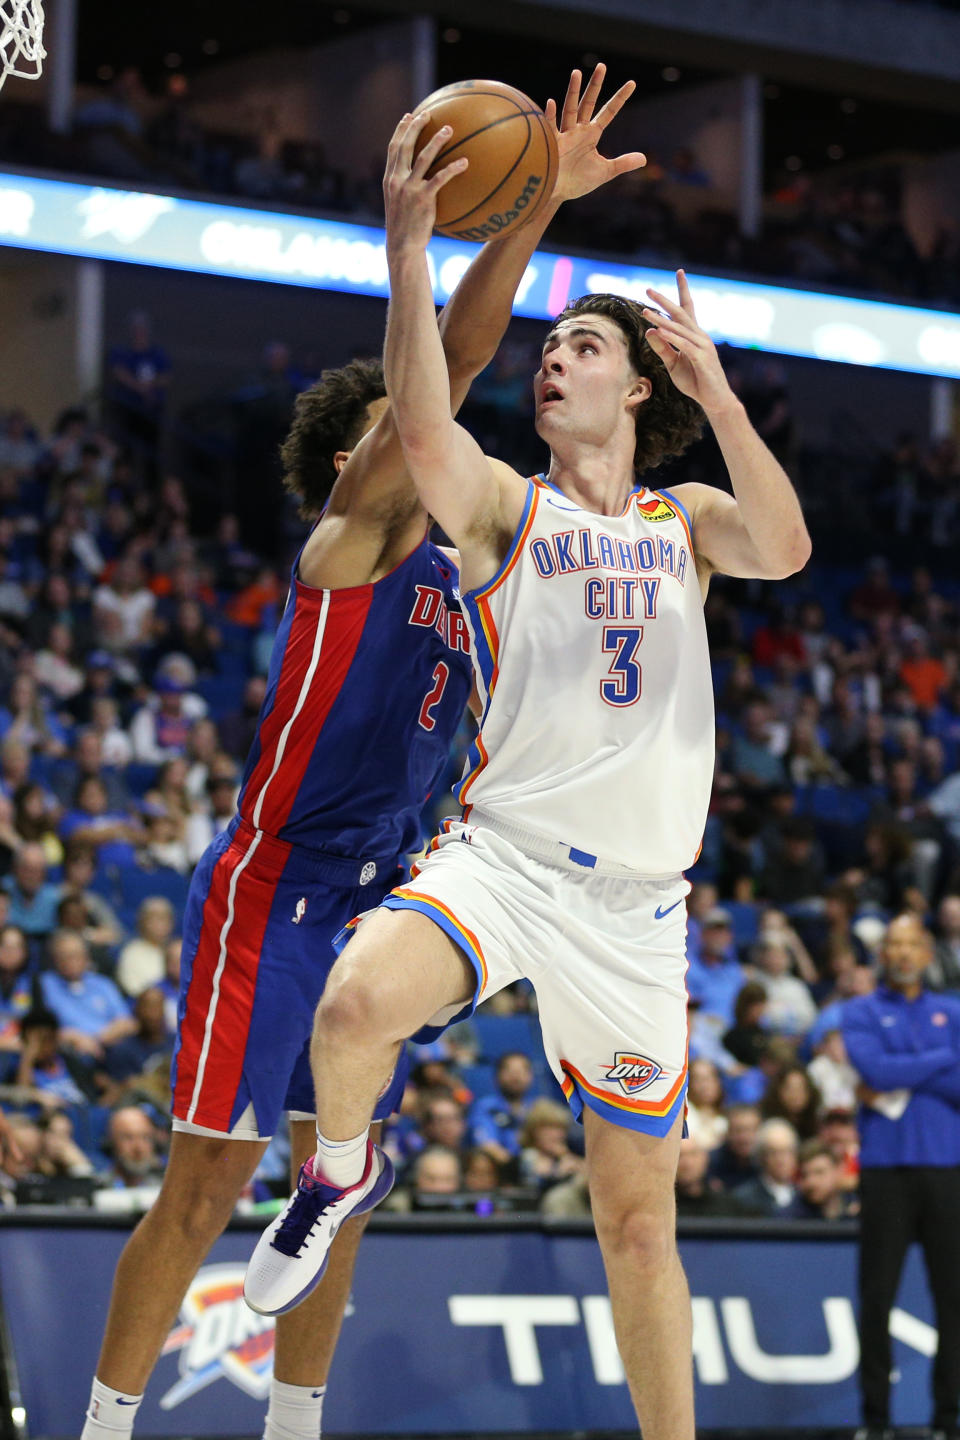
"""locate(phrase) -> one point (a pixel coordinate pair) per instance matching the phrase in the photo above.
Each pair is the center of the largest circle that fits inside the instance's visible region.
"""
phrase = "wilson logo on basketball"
(631, 1072)
(219, 1338)
(502, 220)
(656, 510)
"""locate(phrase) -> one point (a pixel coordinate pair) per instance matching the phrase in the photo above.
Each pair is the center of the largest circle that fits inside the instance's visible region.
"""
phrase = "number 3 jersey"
(591, 654)
(365, 691)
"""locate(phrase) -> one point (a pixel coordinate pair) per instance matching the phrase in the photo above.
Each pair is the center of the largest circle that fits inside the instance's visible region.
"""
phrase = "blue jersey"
(365, 691)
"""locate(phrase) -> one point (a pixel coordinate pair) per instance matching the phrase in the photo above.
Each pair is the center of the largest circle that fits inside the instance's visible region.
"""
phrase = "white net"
(21, 39)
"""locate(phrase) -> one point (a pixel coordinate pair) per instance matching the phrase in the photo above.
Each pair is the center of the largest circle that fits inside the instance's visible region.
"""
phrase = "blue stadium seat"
(499, 1033)
(137, 885)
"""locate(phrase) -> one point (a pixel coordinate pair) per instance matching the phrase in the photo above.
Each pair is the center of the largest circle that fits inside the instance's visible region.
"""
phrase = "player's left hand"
(582, 167)
(688, 353)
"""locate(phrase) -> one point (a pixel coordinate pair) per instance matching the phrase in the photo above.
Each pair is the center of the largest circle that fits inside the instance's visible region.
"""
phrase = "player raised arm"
(454, 479)
(759, 532)
(476, 316)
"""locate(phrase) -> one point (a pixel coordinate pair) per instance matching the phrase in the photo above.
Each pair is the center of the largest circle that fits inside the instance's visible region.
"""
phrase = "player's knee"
(353, 1008)
(647, 1234)
(197, 1209)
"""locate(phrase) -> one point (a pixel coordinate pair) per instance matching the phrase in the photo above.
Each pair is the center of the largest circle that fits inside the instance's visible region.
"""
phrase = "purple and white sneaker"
(291, 1254)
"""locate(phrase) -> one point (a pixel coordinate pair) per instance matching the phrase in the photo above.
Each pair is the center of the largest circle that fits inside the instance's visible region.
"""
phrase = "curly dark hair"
(669, 421)
(330, 416)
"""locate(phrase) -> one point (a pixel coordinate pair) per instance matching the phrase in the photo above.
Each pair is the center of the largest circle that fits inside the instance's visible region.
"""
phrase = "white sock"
(295, 1411)
(110, 1413)
(341, 1162)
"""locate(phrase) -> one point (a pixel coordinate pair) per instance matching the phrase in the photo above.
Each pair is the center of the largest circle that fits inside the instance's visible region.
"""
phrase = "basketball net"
(21, 37)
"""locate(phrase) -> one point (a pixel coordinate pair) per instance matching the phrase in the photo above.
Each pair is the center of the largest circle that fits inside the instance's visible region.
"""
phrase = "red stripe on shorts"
(219, 1007)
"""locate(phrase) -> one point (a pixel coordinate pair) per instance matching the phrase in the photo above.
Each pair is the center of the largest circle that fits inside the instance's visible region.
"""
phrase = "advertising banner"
(144, 228)
(447, 1333)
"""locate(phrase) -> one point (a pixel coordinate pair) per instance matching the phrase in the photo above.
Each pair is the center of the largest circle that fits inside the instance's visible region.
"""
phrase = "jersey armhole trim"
(516, 547)
(683, 513)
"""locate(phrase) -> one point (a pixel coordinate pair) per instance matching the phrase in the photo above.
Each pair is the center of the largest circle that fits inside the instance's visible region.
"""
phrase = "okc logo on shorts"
(219, 1338)
(367, 873)
(632, 1072)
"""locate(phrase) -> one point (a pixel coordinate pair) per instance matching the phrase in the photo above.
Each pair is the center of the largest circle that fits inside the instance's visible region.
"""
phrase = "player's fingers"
(594, 86)
(430, 151)
(444, 176)
(670, 307)
(667, 353)
(623, 164)
(697, 338)
(406, 135)
(615, 104)
(550, 113)
(683, 290)
(571, 101)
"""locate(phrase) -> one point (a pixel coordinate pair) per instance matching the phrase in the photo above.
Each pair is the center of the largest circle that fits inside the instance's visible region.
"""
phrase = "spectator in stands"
(111, 833)
(436, 1174)
(33, 899)
(148, 1050)
(238, 728)
(496, 1121)
(115, 745)
(545, 1154)
(838, 1131)
(46, 1066)
(90, 1008)
(790, 1008)
(944, 971)
(101, 928)
(752, 758)
(139, 376)
(481, 1171)
(796, 872)
(706, 1120)
(26, 718)
(715, 977)
(161, 727)
(885, 874)
(14, 766)
(86, 762)
(697, 1193)
(142, 961)
(169, 986)
(793, 1096)
(747, 1037)
(16, 994)
(875, 595)
(35, 819)
(203, 826)
(808, 763)
(924, 675)
(734, 1161)
(124, 607)
(773, 1192)
(832, 1073)
(133, 1147)
(819, 1182)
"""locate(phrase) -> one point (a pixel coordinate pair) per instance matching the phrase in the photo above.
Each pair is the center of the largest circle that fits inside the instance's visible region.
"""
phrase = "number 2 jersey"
(591, 653)
(365, 690)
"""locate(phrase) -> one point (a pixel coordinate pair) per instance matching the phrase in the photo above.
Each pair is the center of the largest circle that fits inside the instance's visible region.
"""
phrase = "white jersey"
(591, 655)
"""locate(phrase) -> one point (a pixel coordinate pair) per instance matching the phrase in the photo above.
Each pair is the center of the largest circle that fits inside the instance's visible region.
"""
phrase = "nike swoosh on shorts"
(658, 914)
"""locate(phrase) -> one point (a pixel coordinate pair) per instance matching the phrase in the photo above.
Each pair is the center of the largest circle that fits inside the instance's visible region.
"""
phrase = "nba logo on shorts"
(300, 911)
(632, 1072)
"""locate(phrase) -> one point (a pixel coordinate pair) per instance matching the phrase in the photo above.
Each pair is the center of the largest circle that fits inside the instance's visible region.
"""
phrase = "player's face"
(585, 386)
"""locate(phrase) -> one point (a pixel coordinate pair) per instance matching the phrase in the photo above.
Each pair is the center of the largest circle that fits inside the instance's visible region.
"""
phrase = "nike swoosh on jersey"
(558, 505)
(128, 1402)
(658, 914)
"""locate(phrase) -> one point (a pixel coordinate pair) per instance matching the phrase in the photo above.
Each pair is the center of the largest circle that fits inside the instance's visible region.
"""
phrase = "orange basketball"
(512, 153)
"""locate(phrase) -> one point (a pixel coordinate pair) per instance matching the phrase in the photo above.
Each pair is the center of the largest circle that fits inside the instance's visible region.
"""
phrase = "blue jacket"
(895, 1043)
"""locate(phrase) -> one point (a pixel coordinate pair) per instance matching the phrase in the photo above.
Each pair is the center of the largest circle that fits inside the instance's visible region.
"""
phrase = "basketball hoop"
(21, 39)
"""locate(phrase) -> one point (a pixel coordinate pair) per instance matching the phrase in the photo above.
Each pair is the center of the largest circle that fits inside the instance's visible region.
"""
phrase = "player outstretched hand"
(582, 167)
(688, 353)
(410, 199)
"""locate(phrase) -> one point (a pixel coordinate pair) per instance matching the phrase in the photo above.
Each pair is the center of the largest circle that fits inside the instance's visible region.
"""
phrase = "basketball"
(512, 152)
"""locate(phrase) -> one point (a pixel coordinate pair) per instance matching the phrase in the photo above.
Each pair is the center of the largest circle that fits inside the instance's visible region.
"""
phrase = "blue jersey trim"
(671, 499)
(658, 1126)
(428, 1033)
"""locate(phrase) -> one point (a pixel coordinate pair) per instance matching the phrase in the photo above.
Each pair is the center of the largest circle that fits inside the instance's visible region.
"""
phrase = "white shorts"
(605, 952)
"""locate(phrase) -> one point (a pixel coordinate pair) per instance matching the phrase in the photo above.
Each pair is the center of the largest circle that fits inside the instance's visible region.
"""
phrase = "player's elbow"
(792, 555)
